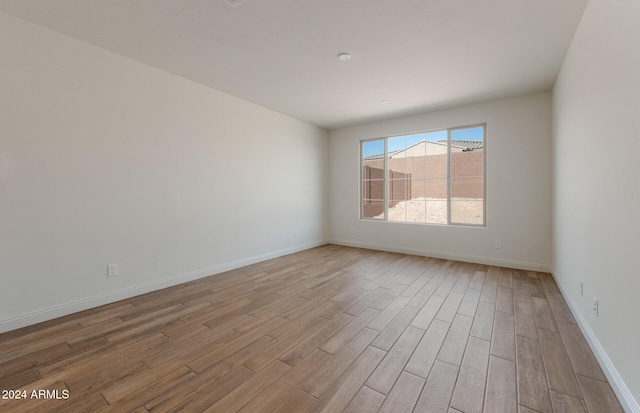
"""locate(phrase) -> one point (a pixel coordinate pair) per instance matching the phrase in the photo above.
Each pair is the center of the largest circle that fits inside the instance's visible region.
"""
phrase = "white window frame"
(385, 139)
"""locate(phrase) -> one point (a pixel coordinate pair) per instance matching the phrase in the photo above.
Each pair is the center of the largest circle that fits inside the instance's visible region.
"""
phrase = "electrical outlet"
(581, 289)
(498, 245)
(112, 270)
(596, 307)
(295, 234)
(353, 230)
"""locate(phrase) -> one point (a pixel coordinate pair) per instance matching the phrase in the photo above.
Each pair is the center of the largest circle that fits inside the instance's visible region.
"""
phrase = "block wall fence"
(421, 177)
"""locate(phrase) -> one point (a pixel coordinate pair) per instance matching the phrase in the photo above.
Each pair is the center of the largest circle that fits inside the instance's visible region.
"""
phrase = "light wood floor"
(330, 329)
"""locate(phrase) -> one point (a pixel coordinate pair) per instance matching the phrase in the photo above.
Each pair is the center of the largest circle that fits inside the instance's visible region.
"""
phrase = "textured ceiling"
(418, 55)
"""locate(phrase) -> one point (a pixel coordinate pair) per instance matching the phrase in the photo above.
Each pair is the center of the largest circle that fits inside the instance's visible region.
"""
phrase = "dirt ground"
(434, 211)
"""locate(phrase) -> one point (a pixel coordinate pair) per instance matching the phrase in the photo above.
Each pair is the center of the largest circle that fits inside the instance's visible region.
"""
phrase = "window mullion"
(386, 179)
(448, 176)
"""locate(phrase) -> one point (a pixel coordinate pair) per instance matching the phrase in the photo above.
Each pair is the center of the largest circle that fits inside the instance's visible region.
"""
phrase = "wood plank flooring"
(329, 329)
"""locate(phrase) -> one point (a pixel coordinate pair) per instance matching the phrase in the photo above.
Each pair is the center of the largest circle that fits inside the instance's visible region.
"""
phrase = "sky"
(401, 142)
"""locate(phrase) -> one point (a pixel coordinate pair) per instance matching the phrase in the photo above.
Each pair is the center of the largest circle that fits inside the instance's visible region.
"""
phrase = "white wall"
(518, 187)
(596, 208)
(105, 160)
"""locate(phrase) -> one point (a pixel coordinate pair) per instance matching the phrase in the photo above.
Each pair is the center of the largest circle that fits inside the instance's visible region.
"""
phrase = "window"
(434, 177)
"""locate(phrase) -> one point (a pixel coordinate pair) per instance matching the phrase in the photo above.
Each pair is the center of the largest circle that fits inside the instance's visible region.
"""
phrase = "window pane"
(436, 211)
(373, 169)
(397, 186)
(415, 155)
(437, 188)
(373, 189)
(373, 209)
(416, 142)
(416, 210)
(372, 184)
(396, 146)
(398, 195)
(397, 211)
(398, 190)
(372, 149)
(467, 163)
(436, 143)
(466, 187)
(418, 188)
(417, 165)
(467, 211)
(467, 176)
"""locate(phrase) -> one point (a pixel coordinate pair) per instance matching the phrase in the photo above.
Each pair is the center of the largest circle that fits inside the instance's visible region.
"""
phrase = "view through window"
(434, 177)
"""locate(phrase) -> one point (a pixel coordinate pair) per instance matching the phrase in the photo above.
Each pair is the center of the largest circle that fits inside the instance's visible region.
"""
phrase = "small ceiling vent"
(233, 3)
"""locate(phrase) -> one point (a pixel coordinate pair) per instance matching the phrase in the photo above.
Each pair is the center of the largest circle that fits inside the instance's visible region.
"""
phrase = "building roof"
(465, 146)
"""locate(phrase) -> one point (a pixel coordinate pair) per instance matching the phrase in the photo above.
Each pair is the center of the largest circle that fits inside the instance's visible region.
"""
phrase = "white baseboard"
(628, 402)
(86, 303)
(520, 265)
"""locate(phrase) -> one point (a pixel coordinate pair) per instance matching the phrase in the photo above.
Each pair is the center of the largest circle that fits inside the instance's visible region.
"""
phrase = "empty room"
(319, 206)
